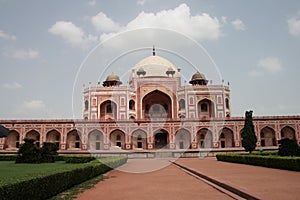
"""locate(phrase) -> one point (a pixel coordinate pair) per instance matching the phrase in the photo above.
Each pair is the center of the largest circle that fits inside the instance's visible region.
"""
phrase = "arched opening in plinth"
(53, 136)
(33, 134)
(161, 139)
(204, 138)
(157, 105)
(117, 139)
(226, 138)
(288, 132)
(13, 140)
(73, 140)
(183, 139)
(95, 140)
(267, 137)
(139, 139)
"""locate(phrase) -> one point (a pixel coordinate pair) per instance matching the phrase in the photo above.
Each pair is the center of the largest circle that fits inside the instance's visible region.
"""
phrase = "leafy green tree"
(28, 152)
(249, 138)
(288, 147)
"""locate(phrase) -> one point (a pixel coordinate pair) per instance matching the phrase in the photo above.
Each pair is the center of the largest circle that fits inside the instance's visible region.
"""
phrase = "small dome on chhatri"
(112, 80)
(198, 79)
(113, 77)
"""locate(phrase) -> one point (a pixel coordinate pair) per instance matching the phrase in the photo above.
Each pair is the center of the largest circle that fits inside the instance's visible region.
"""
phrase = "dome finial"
(153, 50)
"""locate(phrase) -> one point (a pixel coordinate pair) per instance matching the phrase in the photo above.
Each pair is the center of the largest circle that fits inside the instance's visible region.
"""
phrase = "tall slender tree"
(249, 138)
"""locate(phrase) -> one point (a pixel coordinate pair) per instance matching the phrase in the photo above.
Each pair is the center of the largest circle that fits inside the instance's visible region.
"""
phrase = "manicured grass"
(12, 173)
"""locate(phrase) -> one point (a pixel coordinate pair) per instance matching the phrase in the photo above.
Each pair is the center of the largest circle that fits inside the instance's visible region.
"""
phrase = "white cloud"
(72, 34)
(6, 36)
(238, 25)
(200, 27)
(25, 54)
(270, 64)
(13, 85)
(141, 2)
(92, 2)
(294, 26)
(34, 109)
(267, 66)
(34, 105)
(104, 24)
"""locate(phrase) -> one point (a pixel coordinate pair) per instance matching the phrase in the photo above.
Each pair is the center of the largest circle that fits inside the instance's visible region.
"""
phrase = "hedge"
(278, 162)
(8, 157)
(50, 185)
(78, 159)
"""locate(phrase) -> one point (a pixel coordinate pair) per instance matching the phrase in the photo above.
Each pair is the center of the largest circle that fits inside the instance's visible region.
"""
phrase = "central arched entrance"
(161, 139)
(157, 104)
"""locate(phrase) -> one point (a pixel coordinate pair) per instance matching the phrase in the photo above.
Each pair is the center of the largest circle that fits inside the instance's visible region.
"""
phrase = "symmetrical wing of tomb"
(153, 111)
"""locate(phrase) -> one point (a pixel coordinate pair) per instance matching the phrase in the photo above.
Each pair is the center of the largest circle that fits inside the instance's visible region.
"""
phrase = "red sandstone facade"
(154, 111)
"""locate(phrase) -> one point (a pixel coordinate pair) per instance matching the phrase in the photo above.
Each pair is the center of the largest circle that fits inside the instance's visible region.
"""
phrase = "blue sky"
(255, 45)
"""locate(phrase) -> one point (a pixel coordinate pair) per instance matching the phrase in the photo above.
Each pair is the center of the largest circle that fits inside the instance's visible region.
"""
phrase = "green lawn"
(11, 172)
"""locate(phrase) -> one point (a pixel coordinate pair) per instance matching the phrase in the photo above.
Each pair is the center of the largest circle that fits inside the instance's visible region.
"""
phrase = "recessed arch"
(157, 104)
(161, 139)
(53, 136)
(139, 139)
(35, 135)
(181, 104)
(108, 110)
(267, 137)
(117, 139)
(131, 104)
(13, 139)
(183, 139)
(204, 138)
(226, 138)
(206, 108)
(288, 132)
(73, 140)
(95, 140)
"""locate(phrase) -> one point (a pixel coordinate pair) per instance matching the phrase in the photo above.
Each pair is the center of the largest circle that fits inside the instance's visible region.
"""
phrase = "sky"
(49, 49)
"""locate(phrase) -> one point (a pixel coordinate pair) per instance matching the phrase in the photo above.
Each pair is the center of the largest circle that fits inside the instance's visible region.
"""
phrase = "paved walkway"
(261, 182)
(170, 182)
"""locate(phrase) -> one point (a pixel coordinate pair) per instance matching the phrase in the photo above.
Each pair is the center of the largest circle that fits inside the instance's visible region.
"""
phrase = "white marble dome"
(154, 66)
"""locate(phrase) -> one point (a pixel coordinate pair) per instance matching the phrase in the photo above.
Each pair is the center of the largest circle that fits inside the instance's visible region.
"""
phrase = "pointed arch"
(288, 132)
(53, 136)
(161, 139)
(13, 139)
(95, 140)
(156, 104)
(108, 110)
(206, 108)
(204, 138)
(35, 135)
(183, 139)
(226, 138)
(74, 140)
(267, 137)
(117, 139)
(139, 139)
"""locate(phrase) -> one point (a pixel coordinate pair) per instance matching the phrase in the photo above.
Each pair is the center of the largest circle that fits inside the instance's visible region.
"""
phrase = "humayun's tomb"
(153, 112)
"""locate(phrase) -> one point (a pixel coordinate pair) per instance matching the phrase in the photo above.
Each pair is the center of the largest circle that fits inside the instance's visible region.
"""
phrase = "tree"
(288, 147)
(249, 138)
(28, 152)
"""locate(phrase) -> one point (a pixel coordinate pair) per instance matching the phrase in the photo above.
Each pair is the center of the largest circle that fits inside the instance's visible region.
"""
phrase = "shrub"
(8, 157)
(78, 159)
(48, 152)
(288, 147)
(288, 163)
(28, 152)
